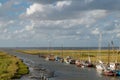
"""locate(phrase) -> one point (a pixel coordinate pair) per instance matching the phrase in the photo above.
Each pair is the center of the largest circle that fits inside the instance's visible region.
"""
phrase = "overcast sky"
(73, 23)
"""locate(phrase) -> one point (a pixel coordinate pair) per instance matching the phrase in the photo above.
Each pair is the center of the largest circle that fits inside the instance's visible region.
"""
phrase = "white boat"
(78, 63)
(88, 62)
(100, 66)
(112, 65)
(69, 60)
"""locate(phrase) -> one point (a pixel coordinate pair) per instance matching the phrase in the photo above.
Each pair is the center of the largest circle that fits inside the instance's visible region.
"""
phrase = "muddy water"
(62, 71)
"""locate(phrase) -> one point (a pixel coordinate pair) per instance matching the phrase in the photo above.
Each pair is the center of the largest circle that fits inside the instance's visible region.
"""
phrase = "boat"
(50, 57)
(88, 62)
(79, 63)
(69, 60)
(59, 59)
(109, 73)
(42, 55)
(100, 67)
(111, 66)
(72, 61)
(117, 72)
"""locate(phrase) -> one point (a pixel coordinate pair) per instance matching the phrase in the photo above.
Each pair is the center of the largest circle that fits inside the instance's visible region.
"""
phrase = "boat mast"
(49, 47)
(62, 50)
(89, 56)
(100, 40)
(108, 54)
(117, 54)
(113, 51)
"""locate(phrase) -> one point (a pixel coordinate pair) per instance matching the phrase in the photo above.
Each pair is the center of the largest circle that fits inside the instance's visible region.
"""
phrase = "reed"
(78, 54)
(10, 67)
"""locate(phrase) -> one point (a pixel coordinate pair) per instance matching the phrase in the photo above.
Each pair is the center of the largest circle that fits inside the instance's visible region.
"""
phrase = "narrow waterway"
(62, 71)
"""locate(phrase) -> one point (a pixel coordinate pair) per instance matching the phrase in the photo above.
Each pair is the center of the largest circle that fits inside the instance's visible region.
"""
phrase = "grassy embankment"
(11, 67)
(79, 54)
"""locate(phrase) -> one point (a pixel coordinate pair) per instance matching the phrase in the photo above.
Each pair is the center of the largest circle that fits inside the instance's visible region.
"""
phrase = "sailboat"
(109, 71)
(100, 67)
(113, 65)
(79, 63)
(69, 60)
(50, 57)
(117, 71)
(88, 62)
(58, 58)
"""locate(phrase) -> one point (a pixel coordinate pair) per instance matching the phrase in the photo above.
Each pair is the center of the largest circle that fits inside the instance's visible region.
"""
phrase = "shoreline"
(77, 54)
(62, 71)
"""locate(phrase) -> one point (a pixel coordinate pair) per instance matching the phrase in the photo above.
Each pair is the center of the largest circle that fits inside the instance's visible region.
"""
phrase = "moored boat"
(109, 73)
(117, 72)
(59, 59)
(88, 64)
(50, 57)
(100, 67)
(79, 63)
(69, 60)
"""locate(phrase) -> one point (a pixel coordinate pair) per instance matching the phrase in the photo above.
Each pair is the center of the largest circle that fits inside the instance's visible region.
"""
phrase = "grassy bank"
(11, 67)
(79, 54)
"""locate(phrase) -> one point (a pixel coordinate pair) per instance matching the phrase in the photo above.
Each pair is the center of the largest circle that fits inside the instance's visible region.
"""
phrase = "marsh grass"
(10, 67)
(79, 54)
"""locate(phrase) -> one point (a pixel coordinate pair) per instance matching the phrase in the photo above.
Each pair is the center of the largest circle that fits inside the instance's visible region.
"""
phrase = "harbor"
(62, 71)
(59, 39)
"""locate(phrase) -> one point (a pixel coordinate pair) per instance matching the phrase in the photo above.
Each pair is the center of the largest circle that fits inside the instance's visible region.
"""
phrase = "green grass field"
(80, 54)
(11, 67)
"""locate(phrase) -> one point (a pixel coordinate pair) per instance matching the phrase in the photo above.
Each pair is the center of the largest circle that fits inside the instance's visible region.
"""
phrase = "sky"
(71, 23)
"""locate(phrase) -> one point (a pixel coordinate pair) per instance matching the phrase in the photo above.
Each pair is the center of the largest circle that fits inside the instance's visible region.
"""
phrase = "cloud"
(34, 8)
(107, 5)
(88, 1)
(63, 27)
(61, 4)
(118, 35)
(86, 4)
(47, 11)
(29, 28)
(0, 4)
(96, 31)
(44, 1)
(37, 21)
(57, 12)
